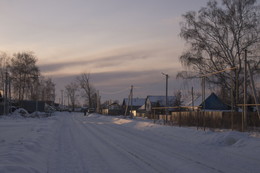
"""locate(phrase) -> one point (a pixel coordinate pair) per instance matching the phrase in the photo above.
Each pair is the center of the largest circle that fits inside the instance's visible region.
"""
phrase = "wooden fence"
(200, 119)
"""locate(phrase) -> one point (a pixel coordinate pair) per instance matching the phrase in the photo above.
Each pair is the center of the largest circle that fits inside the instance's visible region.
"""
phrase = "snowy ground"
(73, 143)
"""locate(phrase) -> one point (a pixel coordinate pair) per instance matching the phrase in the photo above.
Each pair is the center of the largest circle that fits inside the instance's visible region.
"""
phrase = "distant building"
(135, 104)
(112, 109)
(157, 101)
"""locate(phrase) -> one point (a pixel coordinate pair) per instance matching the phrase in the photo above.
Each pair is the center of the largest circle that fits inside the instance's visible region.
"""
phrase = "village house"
(112, 109)
(135, 105)
(156, 102)
(212, 102)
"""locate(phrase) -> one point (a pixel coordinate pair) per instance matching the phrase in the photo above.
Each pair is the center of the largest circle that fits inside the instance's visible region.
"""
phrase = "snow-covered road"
(73, 143)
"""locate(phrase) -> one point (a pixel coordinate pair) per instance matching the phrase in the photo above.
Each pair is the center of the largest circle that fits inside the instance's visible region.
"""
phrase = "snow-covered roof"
(161, 100)
(136, 101)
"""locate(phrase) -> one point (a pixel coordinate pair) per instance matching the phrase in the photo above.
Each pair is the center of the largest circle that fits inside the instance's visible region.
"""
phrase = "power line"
(115, 92)
(120, 91)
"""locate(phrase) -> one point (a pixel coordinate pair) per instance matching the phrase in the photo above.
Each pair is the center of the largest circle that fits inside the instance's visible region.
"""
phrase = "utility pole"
(5, 94)
(232, 102)
(126, 109)
(68, 100)
(10, 95)
(62, 98)
(98, 102)
(192, 98)
(203, 99)
(130, 101)
(244, 119)
(236, 88)
(166, 110)
(37, 93)
(131, 97)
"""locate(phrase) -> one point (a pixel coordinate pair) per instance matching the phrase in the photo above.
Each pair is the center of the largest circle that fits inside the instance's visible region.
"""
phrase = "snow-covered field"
(73, 143)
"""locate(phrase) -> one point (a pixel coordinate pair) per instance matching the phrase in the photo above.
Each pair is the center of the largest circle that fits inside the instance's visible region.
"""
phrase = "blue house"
(212, 102)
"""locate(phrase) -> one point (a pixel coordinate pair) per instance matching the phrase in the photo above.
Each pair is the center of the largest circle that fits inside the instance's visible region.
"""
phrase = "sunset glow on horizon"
(119, 42)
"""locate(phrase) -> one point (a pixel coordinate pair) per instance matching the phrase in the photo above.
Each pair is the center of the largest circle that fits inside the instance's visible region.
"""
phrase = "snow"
(71, 142)
(135, 101)
(161, 100)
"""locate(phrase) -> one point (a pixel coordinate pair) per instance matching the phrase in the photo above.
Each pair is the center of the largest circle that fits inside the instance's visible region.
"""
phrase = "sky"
(118, 42)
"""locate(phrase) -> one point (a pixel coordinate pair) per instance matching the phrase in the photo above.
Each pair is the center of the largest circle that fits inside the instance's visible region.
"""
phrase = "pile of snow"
(23, 113)
(94, 115)
(20, 112)
(40, 114)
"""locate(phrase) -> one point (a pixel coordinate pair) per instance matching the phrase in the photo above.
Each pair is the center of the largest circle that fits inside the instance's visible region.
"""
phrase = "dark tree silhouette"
(218, 36)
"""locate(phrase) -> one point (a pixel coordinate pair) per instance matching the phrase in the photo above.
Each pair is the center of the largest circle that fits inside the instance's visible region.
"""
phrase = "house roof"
(161, 100)
(136, 101)
(212, 102)
(197, 100)
(142, 107)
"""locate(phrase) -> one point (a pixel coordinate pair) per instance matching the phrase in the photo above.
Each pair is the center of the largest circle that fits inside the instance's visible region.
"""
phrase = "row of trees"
(21, 78)
(82, 85)
(219, 35)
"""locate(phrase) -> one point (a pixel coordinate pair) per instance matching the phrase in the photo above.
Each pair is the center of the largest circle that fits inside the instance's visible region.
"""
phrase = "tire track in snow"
(63, 154)
(90, 152)
(125, 134)
(147, 140)
(147, 157)
(197, 156)
(114, 144)
(120, 160)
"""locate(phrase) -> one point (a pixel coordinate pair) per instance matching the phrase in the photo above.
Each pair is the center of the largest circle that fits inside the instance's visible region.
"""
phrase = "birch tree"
(88, 89)
(71, 91)
(218, 36)
(25, 74)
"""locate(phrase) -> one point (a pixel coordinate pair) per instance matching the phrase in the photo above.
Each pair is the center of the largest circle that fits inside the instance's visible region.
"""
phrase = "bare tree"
(71, 91)
(88, 89)
(46, 89)
(178, 98)
(25, 74)
(218, 35)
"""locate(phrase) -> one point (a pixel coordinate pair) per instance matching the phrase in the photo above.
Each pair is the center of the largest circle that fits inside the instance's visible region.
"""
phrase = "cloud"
(118, 68)
(116, 85)
(103, 62)
(111, 60)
